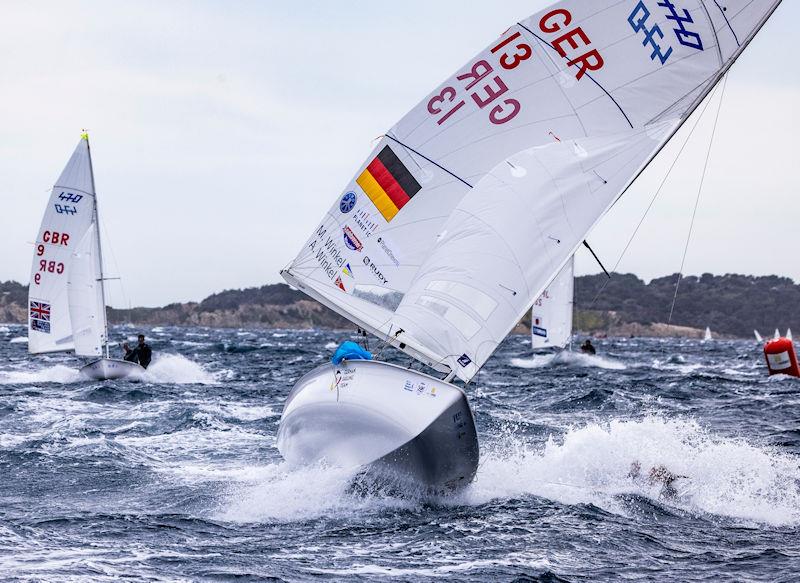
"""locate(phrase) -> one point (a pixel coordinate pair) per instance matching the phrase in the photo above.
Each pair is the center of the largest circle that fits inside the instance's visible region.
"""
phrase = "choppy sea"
(177, 478)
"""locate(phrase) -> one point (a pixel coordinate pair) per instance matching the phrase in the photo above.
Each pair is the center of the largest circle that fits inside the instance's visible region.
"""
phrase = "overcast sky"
(222, 131)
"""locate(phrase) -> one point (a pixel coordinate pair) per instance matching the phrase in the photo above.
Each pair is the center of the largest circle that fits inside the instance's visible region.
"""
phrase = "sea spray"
(592, 464)
(174, 368)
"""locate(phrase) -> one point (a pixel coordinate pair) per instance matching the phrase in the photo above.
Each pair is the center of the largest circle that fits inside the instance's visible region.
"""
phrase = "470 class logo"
(653, 35)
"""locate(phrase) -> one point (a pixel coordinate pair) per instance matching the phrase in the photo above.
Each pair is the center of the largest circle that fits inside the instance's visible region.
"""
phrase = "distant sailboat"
(551, 315)
(789, 333)
(759, 338)
(777, 334)
(707, 336)
(66, 295)
(471, 204)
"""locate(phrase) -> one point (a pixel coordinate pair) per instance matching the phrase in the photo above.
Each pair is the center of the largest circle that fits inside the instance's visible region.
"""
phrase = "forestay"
(69, 214)
(469, 206)
(551, 315)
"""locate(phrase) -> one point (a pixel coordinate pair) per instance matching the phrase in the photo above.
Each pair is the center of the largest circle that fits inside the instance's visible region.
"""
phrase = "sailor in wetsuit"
(587, 347)
(141, 354)
(657, 475)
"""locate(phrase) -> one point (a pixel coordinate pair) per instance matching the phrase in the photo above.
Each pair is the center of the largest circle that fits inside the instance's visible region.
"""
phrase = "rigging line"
(653, 199)
(622, 111)
(439, 166)
(596, 258)
(697, 200)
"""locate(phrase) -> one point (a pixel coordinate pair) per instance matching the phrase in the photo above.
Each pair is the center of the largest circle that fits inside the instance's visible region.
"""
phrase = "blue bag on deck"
(350, 351)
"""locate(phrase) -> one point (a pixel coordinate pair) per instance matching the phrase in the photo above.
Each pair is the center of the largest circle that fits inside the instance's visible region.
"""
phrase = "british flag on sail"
(40, 316)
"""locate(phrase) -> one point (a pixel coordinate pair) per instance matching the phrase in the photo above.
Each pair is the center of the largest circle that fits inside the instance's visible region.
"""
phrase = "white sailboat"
(551, 315)
(789, 333)
(777, 334)
(468, 208)
(66, 295)
(759, 338)
(707, 335)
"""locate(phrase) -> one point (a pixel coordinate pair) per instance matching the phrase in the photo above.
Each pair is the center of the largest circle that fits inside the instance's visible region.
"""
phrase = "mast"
(96, 215)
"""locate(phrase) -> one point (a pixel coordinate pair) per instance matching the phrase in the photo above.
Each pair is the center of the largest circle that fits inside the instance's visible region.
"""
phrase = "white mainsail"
(759, 338)
(551, 315)
(789, 333)
(473, 202)
(66, 303)
(707, 335)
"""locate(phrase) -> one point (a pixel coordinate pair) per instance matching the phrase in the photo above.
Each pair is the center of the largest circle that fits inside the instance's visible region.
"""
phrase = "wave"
(725, 477)
(567, 358)
(281, 493)
(54, 374)
(177, 369)
(19, 340)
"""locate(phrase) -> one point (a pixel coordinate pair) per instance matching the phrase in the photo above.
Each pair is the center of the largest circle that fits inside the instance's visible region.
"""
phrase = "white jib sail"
(551, 315)
(86, 306)
(473, 202)
(68, 216)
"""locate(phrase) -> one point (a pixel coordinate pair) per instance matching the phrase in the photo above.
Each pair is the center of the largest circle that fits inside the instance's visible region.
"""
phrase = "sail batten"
(517, 156)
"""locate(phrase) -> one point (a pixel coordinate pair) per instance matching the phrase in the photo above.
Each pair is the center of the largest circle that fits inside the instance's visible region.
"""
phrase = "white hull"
(410, 427)
(112, 368)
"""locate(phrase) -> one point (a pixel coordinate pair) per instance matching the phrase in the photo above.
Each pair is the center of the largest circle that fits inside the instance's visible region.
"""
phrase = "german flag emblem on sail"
(388, 183)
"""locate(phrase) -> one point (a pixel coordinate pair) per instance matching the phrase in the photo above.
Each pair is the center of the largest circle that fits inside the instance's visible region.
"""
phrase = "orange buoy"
(781, 357)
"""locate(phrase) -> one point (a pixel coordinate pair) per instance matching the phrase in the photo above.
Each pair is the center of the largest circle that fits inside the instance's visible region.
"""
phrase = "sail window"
(378, 296)
(481, 303)
(460, 320)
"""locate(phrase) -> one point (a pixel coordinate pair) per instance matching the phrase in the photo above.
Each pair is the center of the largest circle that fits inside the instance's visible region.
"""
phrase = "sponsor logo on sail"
(538, 331)
(375, 270)
(347, 202)
(388, 250)
(351, 241)
(464, 360)
(363, 221)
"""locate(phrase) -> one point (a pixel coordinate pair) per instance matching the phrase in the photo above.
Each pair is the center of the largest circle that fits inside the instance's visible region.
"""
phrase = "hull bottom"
(111, 368)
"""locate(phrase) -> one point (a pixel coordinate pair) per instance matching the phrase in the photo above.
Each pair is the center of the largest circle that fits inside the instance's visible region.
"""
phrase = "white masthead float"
(66, 296)
(472, 203)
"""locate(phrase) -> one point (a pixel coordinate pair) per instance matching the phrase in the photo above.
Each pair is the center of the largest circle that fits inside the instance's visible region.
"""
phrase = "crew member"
(145, 354)
(587, 347)
(657, 475)
(141, 354)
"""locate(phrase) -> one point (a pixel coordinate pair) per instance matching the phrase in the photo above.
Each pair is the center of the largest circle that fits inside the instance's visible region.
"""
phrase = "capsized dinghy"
(470, 205)
(66, 295)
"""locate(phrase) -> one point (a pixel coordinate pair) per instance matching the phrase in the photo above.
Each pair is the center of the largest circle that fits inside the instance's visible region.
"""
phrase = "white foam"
(55, 374)
(4, 329)
(726, 477)
(567, 358)
(177, 369)
(279, 493)
(19, 340)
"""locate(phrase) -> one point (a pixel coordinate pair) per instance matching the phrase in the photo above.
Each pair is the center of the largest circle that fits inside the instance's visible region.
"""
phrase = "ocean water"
(177, 478)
